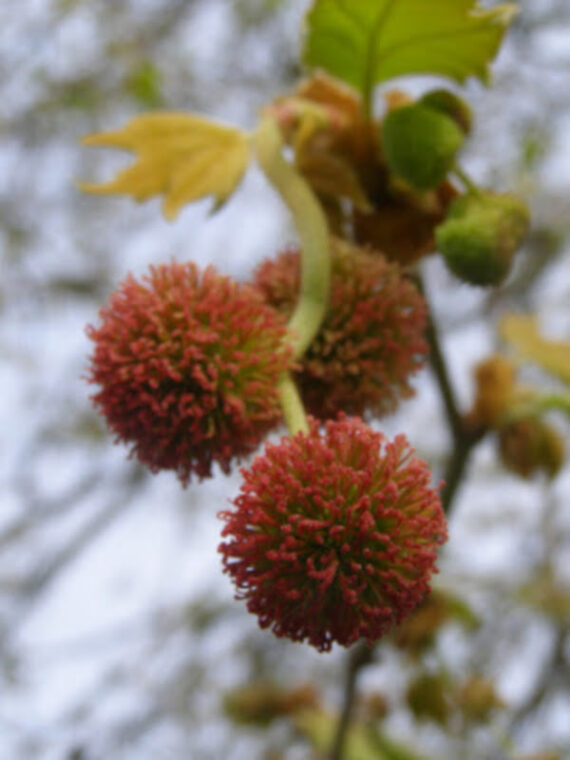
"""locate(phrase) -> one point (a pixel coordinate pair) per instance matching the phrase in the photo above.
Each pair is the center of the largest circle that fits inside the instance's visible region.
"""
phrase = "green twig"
(313, 232)
(292, 406)
(471, 186)
(311, 226)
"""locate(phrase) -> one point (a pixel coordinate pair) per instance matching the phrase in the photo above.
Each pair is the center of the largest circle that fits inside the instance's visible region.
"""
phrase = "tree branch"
(464, 436)
(359, 656)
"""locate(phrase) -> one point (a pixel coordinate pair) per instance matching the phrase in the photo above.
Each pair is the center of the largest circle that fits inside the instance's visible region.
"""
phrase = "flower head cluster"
(371, 340)
(188, 362)
(334, 534)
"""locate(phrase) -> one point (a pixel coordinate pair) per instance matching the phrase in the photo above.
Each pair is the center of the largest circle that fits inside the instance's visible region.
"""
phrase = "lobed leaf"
(182, 157)
(522, 332)
(364, 42)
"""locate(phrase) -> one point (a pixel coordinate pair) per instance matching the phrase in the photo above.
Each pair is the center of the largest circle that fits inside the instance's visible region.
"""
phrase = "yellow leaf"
(522, 332)
(182, 157)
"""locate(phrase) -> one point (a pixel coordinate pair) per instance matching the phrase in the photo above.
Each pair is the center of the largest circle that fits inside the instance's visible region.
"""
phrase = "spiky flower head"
(371, 340)
(334, 534)
(187, 363)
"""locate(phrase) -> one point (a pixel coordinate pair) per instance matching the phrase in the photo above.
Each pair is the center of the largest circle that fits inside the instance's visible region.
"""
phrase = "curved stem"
(312, 229)
(471, 186)
(293, 409)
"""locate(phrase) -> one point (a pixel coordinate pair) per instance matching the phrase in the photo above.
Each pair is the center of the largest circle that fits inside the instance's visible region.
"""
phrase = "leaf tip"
(93, 188)
(170, 210)
(105, 140)
(506, 13)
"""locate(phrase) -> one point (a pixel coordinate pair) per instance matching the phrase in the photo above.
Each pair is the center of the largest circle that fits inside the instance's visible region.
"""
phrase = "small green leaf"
(318, 726)
(364, 42)
(392, 750)
(145, 83)
(559, 401)
(363, 741)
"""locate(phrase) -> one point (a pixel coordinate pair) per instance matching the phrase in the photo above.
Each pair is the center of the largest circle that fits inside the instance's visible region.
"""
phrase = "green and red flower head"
(334, 535)
(187, 363)
(372, 338)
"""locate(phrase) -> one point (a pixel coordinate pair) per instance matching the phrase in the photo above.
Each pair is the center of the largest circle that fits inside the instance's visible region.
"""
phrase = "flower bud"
(428, 699)
(495, 383)
(377, 705)
(261, 702)
(478, 698)
(529, 445)
(480, 235)
(420, 144)
(452, 105)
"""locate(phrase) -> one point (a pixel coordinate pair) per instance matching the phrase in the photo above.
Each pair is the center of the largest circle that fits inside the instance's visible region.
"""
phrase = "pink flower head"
(372, 338)
(188, 363)
(334, 534)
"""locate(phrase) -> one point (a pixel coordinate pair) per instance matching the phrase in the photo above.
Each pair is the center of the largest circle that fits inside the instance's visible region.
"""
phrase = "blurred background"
(119, 636)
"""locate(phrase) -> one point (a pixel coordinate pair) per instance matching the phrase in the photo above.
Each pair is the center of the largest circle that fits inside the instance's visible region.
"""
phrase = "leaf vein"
(375, 37)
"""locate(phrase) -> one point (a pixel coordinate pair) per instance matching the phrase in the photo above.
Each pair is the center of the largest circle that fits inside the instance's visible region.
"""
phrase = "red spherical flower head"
(372, 338)
(334, 534)
(188, 363)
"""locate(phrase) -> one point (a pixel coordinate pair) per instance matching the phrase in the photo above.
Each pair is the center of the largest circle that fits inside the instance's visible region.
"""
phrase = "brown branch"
(556, 665)
(455, 470)
(439, 368)
(359, 656)
(464, 436)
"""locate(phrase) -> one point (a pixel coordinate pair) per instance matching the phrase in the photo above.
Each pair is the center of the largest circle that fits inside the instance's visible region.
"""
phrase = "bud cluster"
(527, 443)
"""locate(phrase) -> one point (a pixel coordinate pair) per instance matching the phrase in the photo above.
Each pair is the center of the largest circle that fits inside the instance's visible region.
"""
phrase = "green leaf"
(145, 83)
(391, 750)
(363, 741)
(318, 726)
(364, 42)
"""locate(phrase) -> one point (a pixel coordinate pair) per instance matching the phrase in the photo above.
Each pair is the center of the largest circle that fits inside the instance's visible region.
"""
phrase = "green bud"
(452, 105)
(478, 698)
(530, 445)
(420, 144)
(428, 699)
(480, 236)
